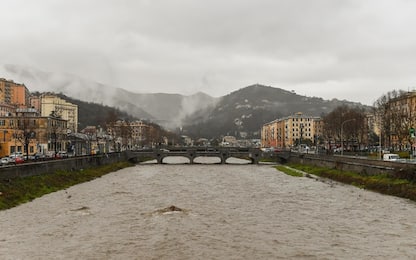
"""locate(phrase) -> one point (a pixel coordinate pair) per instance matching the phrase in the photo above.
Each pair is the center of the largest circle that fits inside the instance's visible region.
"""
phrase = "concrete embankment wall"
(68, 164)
(354, 164)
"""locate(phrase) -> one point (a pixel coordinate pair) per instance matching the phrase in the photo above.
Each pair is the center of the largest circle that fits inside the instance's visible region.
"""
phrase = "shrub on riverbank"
(383, 183)
(20, 190)
(289, 171)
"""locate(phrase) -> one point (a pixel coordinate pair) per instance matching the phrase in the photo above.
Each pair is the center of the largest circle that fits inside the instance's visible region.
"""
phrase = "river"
(209, 212)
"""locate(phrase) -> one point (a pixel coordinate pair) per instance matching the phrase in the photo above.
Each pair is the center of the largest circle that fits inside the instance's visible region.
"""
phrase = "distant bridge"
(223, 153)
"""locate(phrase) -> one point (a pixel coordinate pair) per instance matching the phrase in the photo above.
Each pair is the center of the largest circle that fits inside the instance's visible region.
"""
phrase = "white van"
(391, 157)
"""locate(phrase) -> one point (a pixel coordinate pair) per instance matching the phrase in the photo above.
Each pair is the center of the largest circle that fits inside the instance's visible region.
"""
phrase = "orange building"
(27, 132)
(14, 94)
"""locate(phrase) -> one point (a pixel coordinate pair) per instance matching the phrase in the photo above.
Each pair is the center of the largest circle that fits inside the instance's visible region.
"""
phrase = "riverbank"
(16, 191)
(402, 184)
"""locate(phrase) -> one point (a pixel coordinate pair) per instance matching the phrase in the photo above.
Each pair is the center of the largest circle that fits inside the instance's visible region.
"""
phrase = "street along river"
(209, 212)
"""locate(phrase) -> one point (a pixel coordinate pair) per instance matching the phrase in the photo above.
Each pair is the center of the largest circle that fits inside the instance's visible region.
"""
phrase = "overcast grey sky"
(346, 49)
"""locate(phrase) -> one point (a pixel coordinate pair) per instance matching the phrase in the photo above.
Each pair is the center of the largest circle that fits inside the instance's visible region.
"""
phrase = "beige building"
(139, 132)
(290, 131)
(132, 135)
(49, 104)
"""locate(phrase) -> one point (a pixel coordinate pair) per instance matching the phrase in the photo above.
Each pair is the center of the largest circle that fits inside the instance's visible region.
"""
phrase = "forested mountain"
(243, 112)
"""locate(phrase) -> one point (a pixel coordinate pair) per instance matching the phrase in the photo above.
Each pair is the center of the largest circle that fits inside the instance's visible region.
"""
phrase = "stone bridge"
(223, 153)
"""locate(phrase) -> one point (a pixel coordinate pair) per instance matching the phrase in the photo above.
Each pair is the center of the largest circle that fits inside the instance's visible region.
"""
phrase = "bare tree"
(346, 124)
(25, 133)
(395, 118)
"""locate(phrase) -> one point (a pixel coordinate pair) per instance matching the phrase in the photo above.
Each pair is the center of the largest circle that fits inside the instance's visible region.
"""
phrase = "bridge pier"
(224, 156)
(159, 158)
(255, 156)
(191, 156)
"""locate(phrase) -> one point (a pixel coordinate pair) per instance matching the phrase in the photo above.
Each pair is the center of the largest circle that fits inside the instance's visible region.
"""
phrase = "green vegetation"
(289, 171)
(402, 184)
(404, 154)
(20, 190)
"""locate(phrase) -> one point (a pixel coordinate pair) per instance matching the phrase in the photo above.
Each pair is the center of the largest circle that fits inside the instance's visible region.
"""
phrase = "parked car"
(19, 160)
(37, 156)
(50, 154)
(6, 160)
(62, 154)
(16, 154)
(391, 157)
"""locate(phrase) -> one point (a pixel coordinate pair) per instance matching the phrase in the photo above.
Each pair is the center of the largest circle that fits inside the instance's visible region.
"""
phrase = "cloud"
(186, 46)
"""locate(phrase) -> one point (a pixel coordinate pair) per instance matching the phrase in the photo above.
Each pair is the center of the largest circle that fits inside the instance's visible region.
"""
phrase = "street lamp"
(342, 130)
(301, 135)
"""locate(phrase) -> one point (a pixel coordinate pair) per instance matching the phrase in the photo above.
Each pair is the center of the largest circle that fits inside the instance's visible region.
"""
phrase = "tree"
(25, 133)
(394, 117)
(351, 121)
(125, 133)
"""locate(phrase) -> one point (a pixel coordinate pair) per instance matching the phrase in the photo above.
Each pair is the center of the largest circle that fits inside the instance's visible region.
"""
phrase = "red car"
(18, 160)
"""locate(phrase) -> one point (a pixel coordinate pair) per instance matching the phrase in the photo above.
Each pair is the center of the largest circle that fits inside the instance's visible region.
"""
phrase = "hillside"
(96, 114)
(243, 112)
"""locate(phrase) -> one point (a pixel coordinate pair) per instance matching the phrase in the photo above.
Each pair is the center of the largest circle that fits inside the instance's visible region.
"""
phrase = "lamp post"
(342, 130)
(379, 144)
(301, 136)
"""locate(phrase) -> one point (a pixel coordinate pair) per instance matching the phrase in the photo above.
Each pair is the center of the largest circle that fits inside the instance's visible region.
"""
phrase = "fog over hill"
(240, 113)
(166, 109)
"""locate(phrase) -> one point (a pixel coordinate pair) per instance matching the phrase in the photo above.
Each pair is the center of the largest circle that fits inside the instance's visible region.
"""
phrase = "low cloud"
(186, 46)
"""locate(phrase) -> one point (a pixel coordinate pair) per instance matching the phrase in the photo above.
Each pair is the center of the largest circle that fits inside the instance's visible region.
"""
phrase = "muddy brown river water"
(209, 212)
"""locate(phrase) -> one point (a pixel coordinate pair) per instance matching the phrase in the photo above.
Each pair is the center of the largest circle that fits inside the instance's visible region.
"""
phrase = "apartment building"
(12, 93)
(135, 134)
(400, 117)
(290, 131)
(139, 132)
(49, 104)
(27, 132)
